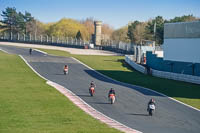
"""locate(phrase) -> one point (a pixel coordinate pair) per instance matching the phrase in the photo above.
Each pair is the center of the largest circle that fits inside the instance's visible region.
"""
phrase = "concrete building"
(182, 42)
(181, 49)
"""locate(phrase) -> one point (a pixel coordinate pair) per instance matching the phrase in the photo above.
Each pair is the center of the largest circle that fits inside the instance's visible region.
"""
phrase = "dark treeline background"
(133, 32)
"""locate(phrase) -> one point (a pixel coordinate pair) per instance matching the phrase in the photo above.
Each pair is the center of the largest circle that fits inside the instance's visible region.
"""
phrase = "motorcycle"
(112, 98)
(65, 71)
(91, 91)
(151, 109)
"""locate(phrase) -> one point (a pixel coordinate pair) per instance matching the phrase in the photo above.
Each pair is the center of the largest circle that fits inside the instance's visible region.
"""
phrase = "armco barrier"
(128, 59)
(176, 76)
(162, 74)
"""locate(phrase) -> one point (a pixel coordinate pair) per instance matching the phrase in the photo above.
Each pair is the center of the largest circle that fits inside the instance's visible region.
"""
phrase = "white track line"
(32, 68)
(84, 106)
(40, 51)
(137, 86)
(4, 51)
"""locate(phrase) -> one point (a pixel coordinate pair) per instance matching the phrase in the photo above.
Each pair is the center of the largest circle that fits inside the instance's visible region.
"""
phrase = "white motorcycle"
(151, 109)
(65, 71)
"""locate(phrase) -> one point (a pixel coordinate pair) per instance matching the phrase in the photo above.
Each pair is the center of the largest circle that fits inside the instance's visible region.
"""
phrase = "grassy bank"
(29, 105)
(116, 68)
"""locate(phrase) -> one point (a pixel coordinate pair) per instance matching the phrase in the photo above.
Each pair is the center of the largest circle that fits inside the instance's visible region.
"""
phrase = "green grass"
(116, 68)
(29, 105)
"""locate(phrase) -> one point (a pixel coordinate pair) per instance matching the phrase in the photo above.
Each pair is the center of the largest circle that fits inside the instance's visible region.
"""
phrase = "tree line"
(134, 32)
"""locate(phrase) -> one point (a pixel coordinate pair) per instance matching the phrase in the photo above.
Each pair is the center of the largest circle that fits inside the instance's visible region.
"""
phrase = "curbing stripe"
(84, 106)
(137, 86)
(90, 110)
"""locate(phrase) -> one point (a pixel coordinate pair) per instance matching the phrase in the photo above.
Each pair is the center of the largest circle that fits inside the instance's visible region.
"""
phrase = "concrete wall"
(129, 60)
(158, 63)
(182, 41)
(162, 74)
(182, 49)
(182, 30)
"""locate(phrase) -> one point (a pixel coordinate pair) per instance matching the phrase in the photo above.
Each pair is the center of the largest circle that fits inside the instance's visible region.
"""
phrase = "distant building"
(182, 41)
(181, 49)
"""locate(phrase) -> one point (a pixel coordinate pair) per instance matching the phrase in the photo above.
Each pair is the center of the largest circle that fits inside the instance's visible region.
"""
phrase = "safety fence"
(65, 42)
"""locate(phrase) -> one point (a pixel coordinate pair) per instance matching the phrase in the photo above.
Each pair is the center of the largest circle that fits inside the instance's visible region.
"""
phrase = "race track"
(131, 101)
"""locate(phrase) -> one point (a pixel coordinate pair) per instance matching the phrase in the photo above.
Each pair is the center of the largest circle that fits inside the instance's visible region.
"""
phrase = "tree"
(10, 19)
(121, 35)
(78, 35)
(139, 33)
(184, 18)
(67, 28)
(16, 22)
(28, 21)
(159, 31)
(106, 31)
(89, 25)
(131, 29)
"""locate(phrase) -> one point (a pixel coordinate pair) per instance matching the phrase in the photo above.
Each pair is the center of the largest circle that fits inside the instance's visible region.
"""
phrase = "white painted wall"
(182, 49)
(159, 53)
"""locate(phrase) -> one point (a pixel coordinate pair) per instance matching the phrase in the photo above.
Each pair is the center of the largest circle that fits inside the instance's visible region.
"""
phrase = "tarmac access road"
(130, 107)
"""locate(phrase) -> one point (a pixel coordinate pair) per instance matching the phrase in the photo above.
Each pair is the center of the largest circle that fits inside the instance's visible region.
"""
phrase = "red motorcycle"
(91, 91)
(112, 98)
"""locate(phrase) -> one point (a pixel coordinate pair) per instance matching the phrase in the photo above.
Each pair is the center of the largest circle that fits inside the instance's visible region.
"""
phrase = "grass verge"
(29, 105)
(116, 68)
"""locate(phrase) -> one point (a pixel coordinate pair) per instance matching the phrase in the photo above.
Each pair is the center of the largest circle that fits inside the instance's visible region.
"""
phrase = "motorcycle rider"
(111, 95)
(112, 91)
(91, 89)
(66, 69)
(30, 51)
(92, 84)
(152, 101)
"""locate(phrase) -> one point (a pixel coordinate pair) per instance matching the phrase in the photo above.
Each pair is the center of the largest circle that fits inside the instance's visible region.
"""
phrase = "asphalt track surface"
(131, 101)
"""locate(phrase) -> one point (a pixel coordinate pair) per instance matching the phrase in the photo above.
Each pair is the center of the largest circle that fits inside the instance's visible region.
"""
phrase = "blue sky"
(116, 13)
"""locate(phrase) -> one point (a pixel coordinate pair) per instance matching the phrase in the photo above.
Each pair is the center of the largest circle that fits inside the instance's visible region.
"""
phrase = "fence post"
(18, 36)
(30, 37)
(67, 40)
(35, 37)
(24, 37)
(47, 38)
(61, 40)
(57, 40)
(51, 39)
(11, 36)
(41, 38)
(71, 41)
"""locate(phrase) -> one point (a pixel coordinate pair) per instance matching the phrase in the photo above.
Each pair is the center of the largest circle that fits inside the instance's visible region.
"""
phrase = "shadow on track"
(138, 114)
(102, 78)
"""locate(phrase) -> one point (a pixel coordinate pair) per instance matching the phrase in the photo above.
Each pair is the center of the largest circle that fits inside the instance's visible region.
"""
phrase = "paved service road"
(131, 101)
